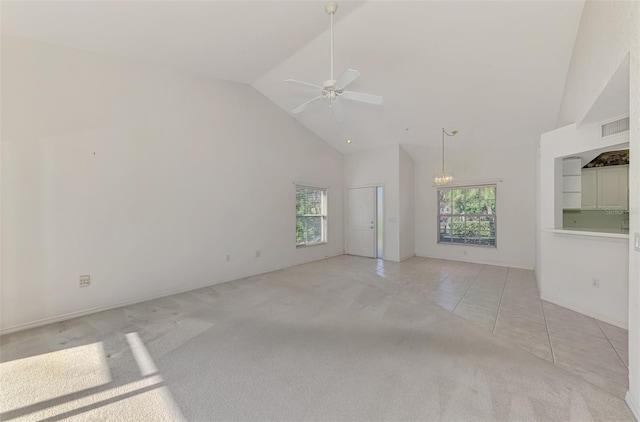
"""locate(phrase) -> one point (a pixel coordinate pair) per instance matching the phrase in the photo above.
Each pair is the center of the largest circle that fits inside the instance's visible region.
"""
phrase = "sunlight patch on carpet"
(50, 375)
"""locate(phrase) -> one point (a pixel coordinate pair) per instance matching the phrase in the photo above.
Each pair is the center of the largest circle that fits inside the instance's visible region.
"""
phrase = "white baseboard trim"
(472, 261)
(633, 406)
(584, 311)
(89, 311)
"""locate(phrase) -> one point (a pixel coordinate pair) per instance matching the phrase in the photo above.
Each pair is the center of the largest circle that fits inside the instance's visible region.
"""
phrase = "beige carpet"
(323, 341)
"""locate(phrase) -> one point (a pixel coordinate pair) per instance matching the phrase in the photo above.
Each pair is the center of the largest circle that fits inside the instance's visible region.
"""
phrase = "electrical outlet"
(228, 258)
(258, 253)
(85, 280)
(595, 282)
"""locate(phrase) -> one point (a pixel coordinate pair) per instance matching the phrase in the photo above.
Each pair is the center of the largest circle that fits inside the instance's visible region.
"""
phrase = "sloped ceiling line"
(493, 70)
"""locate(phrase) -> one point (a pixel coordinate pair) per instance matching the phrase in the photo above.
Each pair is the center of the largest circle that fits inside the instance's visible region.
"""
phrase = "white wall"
(567, 263)
(407, 206)
(379, 167)
(602, 43)
(538, 237)
(608, 31)
(145, 179)
(572, 261)
(515, 204)
(633, 396)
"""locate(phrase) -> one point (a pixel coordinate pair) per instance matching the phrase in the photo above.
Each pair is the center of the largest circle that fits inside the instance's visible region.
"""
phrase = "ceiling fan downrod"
(331, 8)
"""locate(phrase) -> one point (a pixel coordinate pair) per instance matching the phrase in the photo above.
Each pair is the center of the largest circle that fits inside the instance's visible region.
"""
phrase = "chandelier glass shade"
(443, 179)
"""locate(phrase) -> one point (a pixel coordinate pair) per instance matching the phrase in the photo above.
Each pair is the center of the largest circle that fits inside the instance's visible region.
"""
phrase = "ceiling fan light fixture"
(333, 88)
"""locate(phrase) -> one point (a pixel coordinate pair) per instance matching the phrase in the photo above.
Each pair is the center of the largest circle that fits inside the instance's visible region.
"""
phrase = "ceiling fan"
(333, 89)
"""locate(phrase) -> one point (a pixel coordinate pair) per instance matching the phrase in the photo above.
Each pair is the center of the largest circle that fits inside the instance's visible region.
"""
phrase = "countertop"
(610, 233)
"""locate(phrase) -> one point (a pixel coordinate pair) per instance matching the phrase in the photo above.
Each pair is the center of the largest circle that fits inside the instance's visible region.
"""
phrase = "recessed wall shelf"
(571, 183)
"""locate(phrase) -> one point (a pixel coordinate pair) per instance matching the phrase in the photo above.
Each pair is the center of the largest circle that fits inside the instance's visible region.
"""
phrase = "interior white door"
(361, 222)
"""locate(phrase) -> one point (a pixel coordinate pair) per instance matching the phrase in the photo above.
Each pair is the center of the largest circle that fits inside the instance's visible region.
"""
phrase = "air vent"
(614, 127)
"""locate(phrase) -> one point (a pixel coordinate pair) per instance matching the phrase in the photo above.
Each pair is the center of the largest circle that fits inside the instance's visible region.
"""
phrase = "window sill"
(468, 244)
(306, 245)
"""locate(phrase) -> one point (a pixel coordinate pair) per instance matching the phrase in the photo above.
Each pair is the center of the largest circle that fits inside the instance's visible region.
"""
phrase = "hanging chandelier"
(444, 178)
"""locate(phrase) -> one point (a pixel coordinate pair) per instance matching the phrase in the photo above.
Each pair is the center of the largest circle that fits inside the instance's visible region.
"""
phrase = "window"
(311, 216)
(467, 215)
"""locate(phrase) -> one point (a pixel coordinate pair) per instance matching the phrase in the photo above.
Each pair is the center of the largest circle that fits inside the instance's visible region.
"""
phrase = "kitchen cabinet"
(605, 188)
(590, 189)
(613, 187)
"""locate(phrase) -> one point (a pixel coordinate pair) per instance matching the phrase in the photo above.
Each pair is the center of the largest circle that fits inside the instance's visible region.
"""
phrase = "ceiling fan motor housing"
(331, 7)
(329, 90)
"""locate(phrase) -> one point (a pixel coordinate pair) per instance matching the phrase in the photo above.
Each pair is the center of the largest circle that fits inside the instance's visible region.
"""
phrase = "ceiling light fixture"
(348, 141)
(444, 178)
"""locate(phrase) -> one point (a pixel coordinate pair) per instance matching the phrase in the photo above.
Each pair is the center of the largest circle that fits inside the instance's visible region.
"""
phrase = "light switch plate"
(636, 241)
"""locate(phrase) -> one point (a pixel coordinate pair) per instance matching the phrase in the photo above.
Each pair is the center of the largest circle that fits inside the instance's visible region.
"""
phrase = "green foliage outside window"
(467, 215)
(310, 215)
(470, 228)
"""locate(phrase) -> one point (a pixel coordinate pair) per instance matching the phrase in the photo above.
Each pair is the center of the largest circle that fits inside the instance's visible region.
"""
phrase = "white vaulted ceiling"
(493, 70)
(234, 40)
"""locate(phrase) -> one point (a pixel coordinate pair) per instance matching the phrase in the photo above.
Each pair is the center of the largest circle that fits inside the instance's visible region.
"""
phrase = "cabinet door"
(589, 189)
(612, 187)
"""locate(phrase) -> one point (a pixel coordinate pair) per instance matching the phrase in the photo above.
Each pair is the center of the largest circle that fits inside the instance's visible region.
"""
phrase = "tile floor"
(422, 339)
(501, 301)
(506, 302)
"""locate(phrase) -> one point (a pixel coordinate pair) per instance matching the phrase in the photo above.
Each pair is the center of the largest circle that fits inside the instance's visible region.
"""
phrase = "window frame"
(467, 187)
(324, 214)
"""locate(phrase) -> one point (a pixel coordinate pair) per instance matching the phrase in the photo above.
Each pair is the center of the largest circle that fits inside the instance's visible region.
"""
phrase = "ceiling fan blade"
(359, 96)
(337, 109)
(303, 106)
(305, 84)
(346, 78)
